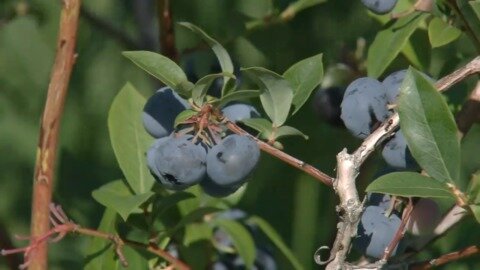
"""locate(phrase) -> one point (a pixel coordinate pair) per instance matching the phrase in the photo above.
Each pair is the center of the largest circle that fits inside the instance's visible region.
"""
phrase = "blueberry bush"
(245, 134)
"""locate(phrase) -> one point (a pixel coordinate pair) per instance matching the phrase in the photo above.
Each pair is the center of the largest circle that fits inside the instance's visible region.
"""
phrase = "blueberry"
(393, 82)
(396, 153)
(230, 162)
(424, 218)
(378, 199)
(177, 163)
(376, 231)
(213, 189)
(364, 106)
(240, 111)
(327, 105)
(379, 6)
(160, 111)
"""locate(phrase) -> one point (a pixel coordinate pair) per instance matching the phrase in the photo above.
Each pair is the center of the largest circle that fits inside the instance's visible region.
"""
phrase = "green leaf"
(117, 196)
(429, 127)
(285, 131)
(160, 206)
(470, 11)
(161, 68)
(270, 232)
(197, 232)
(276, 93)
(241, 238)
(100, 253)
(129, 139)
(441, 33)
(304, 76)
(474, 189)
(389, 42)
(476, 211)
(409, 184)
(184, 115)
(255, 8)
(470, 157)
(261, 125)
(222, 54)
(201, 87)
(236, 95)
(194, 216)
(300, 5)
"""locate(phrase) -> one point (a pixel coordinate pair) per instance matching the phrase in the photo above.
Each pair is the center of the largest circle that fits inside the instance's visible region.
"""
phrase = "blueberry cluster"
(179, 160)
(366, 104)
(377, 227)
(228, 260)
(380, 6)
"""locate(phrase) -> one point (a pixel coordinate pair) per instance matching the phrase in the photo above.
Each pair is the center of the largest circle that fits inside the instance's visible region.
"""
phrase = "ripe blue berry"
(230, 162)
(177, 163)
(240, 111)
(213, 189)
(364, 106)
(376, 231)
(160, 111)
(379, 6)
(392, 84)
(327, 104)
(396, 153)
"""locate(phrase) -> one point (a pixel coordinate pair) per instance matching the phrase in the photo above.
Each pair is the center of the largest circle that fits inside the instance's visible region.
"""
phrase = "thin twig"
(400, 231)
(159, 252)
(50, 124)
(446, 258)
(307, 168)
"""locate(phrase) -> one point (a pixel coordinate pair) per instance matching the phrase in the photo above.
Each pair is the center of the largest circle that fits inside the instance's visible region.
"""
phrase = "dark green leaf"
(171, 200)
(241, 238)
(389, 42)
(161, 68)
(276, 240)
(470, 156)
(300, 5)
(276, 93)
(194, 216)
(476, 211)
(255, 8)
(201, 87)
(197, 232)
(304, 77)
(184, 115)
(100, 253)
(429, 127)
(441, 33)
(409, 184)
(474, 189)
(285, 131)
(220, 52)
(469, 11)
(261, 125)
(129, 139)
(237, 95)
(117, 196)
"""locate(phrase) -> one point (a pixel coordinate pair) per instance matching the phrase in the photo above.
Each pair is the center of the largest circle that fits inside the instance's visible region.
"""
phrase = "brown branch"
(307, 168)
(159, 252)
(167, 35)
(446, 258)
(50, 124)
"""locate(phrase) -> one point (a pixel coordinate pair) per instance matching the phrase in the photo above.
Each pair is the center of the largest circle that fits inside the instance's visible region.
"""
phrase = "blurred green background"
(301, 209)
